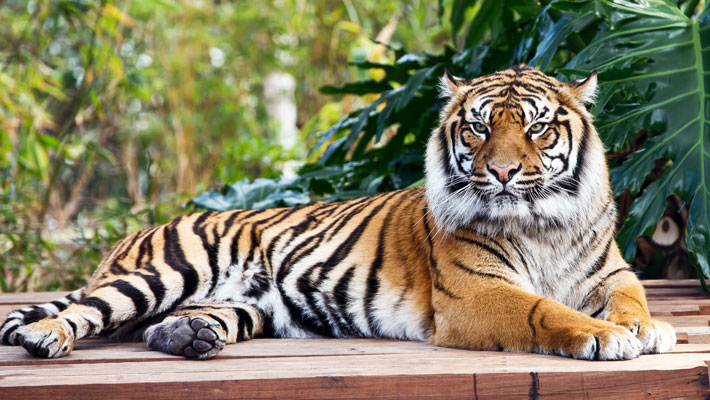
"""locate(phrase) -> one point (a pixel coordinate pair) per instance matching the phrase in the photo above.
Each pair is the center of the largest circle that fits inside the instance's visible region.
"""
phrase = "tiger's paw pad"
(195, 337)
(612, 343)
(48, 338)
(655, 336)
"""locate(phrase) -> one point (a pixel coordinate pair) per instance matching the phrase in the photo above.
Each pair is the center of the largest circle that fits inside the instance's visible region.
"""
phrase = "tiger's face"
(514, 149)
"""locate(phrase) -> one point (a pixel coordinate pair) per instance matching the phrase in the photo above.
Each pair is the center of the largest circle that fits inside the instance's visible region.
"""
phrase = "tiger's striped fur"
(510, 246)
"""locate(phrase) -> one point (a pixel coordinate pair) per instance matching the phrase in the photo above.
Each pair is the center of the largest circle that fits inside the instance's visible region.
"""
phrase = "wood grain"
(604, 385)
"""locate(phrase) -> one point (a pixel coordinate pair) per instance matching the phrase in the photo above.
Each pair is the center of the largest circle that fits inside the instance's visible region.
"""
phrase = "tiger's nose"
(505, 173)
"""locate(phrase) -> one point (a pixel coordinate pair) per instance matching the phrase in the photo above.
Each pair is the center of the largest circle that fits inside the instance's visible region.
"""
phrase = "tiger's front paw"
(16, 320)
(655, 336)
(48, 338)
(605, 342)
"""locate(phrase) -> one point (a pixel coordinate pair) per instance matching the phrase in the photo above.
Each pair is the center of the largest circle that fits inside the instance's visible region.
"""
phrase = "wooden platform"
(281, 368)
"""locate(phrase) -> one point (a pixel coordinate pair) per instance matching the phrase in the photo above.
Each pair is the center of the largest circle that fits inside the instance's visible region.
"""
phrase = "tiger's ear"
(449, 84)
(585, 90)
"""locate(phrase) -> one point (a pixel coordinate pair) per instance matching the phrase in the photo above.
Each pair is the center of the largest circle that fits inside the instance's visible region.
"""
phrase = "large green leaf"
(654, 68)
(262, 193)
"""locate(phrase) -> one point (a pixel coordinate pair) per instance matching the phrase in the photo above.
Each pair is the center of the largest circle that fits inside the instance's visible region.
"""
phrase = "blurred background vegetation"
(116, 113)
(119, 115)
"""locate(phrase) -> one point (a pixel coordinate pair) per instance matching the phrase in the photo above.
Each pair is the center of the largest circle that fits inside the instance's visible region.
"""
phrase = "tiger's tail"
(30, 314)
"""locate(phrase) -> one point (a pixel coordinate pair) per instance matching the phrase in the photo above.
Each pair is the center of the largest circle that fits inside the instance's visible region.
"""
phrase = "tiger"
(508, 246)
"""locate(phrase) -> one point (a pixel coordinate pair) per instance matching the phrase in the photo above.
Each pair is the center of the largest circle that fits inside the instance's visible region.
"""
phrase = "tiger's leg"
(54, 336)
(27, 315)
(105, 306)
(617, 296)
(100, 310)
(479, 312)
(200, 331)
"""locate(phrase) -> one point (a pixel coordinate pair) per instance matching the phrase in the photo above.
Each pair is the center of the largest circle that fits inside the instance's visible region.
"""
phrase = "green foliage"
(652, 62)
(113, 113)
(380, 146)
(315, 181)
(653, 65)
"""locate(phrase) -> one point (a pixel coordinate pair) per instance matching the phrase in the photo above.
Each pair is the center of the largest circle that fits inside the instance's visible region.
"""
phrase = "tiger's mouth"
(514, 192)
(504, 199)
(505, 193)
(511, 200)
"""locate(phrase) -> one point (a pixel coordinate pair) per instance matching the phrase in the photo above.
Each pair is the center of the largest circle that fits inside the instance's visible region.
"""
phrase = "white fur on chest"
(550, 271)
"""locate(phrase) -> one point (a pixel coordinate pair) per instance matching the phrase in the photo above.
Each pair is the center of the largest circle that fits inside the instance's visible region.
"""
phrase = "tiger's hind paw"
(48, 338)
(196, 337)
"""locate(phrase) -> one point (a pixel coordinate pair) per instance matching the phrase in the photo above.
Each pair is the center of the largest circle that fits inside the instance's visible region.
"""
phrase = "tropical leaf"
(262, 193)
(554, 34)
(653, 63)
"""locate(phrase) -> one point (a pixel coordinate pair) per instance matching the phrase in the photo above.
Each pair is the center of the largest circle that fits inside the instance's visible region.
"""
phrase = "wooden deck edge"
(687, 383)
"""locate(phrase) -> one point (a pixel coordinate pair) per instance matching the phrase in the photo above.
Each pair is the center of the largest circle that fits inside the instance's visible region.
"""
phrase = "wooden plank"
(681, 338)
(687, 320)
(93, 350)
(693, 330)
(30, 298)
(674, 309)
(698, 339)
(695, 335)
(668, 283)
(681, 374)
(101, 350)
(690, 383)
(340, 387)
(415, 363)
(677, 301)
(691, 292)
(690, 348)
(687, 383)
(352, 365)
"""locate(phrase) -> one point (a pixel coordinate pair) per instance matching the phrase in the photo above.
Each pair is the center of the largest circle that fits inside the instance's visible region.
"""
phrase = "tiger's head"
(515, 150)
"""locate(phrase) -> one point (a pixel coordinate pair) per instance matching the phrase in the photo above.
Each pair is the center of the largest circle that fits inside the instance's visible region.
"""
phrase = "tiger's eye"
(537, 128)
(480, 128)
